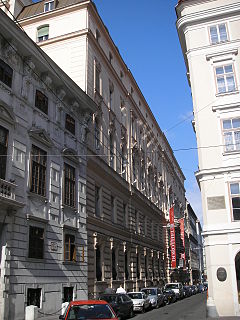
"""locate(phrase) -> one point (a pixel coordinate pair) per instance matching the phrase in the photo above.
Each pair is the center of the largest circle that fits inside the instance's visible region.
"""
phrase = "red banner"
(181, 221)
(172, 238)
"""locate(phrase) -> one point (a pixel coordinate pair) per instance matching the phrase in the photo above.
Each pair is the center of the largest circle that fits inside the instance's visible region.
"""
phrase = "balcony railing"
(7, 193)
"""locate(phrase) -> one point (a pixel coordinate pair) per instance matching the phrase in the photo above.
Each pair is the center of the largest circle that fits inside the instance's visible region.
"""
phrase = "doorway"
(237, 267)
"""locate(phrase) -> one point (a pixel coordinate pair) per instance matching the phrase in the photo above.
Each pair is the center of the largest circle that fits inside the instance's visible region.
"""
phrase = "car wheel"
(167, 302)
(143, 309)
(131, 313)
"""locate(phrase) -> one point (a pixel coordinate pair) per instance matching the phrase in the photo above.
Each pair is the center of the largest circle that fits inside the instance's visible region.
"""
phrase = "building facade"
(43, 236)
(209, 36)
(132, 175)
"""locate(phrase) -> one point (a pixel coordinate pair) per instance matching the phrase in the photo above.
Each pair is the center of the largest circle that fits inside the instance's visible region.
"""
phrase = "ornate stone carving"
(84, 129)
(10, 52)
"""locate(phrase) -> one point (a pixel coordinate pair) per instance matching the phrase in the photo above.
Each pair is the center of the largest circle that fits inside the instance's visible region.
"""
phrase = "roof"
(38, 7)
(81, 302)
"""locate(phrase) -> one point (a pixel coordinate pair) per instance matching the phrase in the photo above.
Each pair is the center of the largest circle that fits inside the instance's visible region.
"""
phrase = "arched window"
(43, 33)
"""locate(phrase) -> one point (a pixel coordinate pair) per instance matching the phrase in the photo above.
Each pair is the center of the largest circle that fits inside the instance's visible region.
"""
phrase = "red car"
(88, 309)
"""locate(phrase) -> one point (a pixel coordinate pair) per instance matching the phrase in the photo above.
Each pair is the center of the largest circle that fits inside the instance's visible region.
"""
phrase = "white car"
(140, 301)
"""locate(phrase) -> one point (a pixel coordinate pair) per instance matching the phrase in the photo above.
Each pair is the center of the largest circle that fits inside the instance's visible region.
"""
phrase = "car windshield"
(109, 299)
(90, 311)
(171, 286)
(149, 292)
(135, 295)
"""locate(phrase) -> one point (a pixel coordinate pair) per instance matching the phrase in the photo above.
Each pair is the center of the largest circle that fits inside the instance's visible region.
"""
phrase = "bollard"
(31, 313)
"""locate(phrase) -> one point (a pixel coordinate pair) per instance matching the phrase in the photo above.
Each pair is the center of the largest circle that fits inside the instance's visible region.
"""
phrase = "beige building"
(209, 33)
(43, 235)
(132, 174)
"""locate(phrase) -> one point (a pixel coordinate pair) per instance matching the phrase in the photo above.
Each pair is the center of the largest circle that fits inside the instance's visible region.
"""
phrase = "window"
(137, 266)
(38, 174)
(153, 268)
(218, 33)
(69, 185)
(97, 134)
(98, 35)
(48, 6)
(146, 266)
(111, 142)
(6, 73)
(69, 248)
(113, 209)
(43, 33)
(67, 294)
(126, 265)
(36, 243)
(235, 198)
(225, 78)
(110, 98)
(41, 101)
(231, 133)
(34, 297)
(114, 270)
(98, 264)
(3, 151)
(110, 57)
(97, 76)
(70, 124)
(97, 201)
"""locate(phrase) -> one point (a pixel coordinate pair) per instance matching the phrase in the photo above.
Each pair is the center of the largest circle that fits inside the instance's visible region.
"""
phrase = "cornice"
(216, 171)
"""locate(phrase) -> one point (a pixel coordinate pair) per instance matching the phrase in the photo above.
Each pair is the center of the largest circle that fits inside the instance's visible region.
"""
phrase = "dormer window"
(48, 6)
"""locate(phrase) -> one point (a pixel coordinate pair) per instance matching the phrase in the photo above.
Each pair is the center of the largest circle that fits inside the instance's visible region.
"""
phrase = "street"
(193, 307)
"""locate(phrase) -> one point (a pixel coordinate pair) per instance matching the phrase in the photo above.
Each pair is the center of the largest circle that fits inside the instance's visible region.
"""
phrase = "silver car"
(141, 302)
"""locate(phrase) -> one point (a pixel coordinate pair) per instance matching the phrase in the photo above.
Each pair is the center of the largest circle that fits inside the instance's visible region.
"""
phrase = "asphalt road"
(193, 308)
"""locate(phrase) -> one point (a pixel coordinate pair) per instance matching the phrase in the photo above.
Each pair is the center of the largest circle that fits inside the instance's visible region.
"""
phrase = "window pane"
(222, 32)
(227, 124)
(228, 141)
(228, 69)
(237, 140)
(214, 35)
(236, 208)
(236, 123)
(234, 188)
(230, 83)
(221, 85)
(219, 70)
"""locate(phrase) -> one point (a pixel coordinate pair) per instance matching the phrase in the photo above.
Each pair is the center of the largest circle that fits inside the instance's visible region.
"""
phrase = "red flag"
(172, 238)
(181, 221)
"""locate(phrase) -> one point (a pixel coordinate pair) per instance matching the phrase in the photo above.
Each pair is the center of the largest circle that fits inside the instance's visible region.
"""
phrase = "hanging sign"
(172, 238)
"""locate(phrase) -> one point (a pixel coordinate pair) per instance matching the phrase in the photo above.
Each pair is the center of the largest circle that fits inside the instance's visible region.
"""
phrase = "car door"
(127, 302)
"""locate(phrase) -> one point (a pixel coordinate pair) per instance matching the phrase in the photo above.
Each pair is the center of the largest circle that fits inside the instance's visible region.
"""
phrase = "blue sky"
(145, 33)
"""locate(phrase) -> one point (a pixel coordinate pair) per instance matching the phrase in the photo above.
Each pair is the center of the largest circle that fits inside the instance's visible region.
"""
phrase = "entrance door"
(237, 266)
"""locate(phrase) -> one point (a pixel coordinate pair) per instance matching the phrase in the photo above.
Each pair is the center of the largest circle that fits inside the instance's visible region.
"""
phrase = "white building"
(43, 237)
(209, 33)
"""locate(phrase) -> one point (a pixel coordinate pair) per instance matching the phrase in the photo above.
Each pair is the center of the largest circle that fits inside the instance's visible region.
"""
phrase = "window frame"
(3, 153)
(41, 105)
(224, 75)
(232, 131)
(45, 36)
(218, 33)
(69, 187)
(31, 242)
(40, 298)
(72, 256)
(51, 6)
(70, 124)
(5, 73)
(231, 197)
(40, 166)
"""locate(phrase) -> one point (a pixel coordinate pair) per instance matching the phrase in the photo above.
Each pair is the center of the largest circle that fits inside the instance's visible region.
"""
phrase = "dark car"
(121, 304)
(200, 288)
(155, 295)
(187, 291)
(89, 309)
(169, 296)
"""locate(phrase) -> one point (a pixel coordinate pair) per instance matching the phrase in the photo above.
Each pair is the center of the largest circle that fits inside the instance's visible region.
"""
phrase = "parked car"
(121, 303)
(177, 287)
(169, 296)
(187, 291)
(194, 289)
(155, 296)
(88, 309)
(200, 288)
(141, 301)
